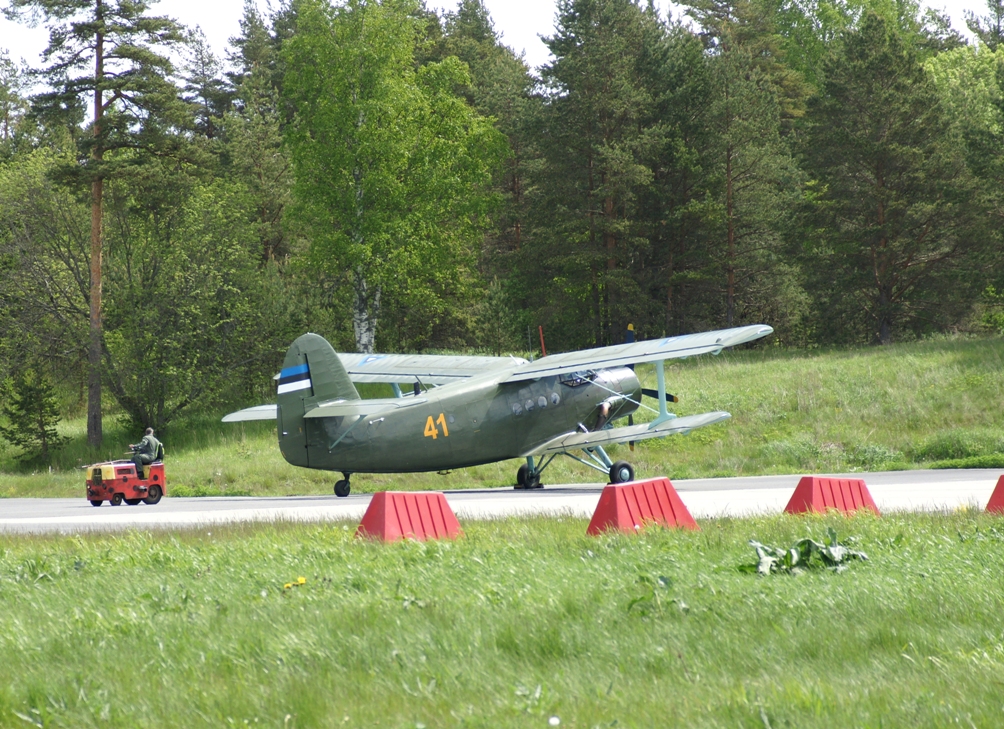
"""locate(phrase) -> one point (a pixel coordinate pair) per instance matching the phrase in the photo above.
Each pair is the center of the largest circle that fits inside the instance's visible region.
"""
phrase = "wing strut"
(664, 414)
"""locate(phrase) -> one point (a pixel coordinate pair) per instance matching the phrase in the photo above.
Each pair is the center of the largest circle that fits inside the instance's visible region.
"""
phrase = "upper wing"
(576, 439)
(431, 369)
(651, 350)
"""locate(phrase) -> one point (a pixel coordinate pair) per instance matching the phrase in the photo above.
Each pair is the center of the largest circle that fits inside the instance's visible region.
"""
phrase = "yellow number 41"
(430, 427)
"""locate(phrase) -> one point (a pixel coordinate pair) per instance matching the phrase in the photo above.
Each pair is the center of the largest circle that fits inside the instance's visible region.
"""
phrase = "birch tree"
(391, 168)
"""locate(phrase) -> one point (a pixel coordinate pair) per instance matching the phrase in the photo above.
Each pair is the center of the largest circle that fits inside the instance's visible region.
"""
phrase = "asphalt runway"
(707, 497)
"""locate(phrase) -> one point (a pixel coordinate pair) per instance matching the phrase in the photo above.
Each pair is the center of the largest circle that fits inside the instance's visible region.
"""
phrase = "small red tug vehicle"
(117, 481)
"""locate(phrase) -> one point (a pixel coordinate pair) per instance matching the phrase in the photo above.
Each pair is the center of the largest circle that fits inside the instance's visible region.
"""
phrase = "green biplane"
(464, 411)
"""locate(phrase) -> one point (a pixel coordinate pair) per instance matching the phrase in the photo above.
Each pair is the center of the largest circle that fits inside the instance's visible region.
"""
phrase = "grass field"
(517, 622)
(925, 404)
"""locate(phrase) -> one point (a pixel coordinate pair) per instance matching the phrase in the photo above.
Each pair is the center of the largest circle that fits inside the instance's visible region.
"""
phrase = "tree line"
(398, 179)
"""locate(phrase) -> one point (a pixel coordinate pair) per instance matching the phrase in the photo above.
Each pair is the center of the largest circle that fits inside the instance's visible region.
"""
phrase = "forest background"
(396, 179)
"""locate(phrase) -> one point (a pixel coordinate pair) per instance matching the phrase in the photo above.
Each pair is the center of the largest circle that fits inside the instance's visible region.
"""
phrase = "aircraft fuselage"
(476, 421)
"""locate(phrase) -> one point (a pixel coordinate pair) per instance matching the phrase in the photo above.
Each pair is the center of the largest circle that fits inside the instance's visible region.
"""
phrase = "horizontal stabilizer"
(258, 412)
(343, 408)
(577, 439)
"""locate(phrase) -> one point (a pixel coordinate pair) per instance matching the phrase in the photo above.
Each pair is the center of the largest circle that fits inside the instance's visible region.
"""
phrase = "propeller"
(654, 394)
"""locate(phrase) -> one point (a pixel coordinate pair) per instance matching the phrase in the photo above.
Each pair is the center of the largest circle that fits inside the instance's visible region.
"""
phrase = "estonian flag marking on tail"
(296, 378)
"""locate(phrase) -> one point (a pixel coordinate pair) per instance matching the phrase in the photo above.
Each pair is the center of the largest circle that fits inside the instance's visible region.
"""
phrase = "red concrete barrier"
(996, 503)
(819, 493)
(628, 507)
(419, 515)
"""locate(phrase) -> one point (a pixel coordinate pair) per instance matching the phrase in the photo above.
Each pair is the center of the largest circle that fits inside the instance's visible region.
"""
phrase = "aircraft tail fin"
(311, 374)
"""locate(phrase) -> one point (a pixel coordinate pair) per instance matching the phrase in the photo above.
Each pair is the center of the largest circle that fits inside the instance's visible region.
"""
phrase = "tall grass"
(519, 621)
(915, 405)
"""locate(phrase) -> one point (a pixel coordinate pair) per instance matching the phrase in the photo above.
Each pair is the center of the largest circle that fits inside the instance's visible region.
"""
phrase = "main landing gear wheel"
(525, 479)
(116, 500)
(153, 495)
(621, 472)
(342, 487)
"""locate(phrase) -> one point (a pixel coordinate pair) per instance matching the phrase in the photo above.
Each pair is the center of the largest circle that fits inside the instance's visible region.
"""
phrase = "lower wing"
(576, 439)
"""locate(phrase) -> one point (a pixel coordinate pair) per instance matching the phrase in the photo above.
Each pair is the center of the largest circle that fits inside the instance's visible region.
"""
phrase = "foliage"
(188, 310)
(13, 102)
(32, 414)
(798, 558)
(897, 217)
(599, 125)
(113, 56)
(397, 178)
(988, 28)
(389, 164)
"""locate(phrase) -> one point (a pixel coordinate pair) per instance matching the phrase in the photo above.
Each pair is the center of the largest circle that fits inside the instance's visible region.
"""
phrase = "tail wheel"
(621, 472)
(342, 488)
(116, 500)
(96, 502)
(153, 494)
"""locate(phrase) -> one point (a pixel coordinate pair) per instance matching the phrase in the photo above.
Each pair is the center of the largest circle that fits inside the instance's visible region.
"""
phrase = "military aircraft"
(465, 411)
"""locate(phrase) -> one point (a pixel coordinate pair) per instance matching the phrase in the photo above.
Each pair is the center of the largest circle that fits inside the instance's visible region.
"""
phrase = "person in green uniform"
(146, 451)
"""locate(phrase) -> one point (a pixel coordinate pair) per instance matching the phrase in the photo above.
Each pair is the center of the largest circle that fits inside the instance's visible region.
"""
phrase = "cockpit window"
(575, 379)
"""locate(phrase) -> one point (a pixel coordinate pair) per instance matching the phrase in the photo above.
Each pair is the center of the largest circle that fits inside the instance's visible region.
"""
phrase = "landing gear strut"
(343, 487)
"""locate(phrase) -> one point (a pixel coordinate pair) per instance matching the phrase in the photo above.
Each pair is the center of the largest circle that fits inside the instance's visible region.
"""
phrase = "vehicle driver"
(145, 452)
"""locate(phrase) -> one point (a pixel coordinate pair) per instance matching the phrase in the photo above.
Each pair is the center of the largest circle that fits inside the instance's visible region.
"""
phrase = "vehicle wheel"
(116, 500)
(133, 502)
(153, 495)
(342, 488)
(526, 479)
(621, 472)
(96, 502)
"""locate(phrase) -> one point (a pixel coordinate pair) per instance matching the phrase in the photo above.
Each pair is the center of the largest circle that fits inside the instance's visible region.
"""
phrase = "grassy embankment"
(917, 405)
(519, 621)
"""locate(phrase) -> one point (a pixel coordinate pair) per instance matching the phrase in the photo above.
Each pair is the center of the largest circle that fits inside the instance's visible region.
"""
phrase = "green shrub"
(873, 456)
(795, 452)
(960, 443)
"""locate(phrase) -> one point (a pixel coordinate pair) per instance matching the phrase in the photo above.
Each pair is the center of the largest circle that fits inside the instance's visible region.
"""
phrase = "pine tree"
(596, 128)
(895, 210)
(752, 164)
(106, 52)
(205, 87)
(32, 414)
(13, 102)
(988, 28)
